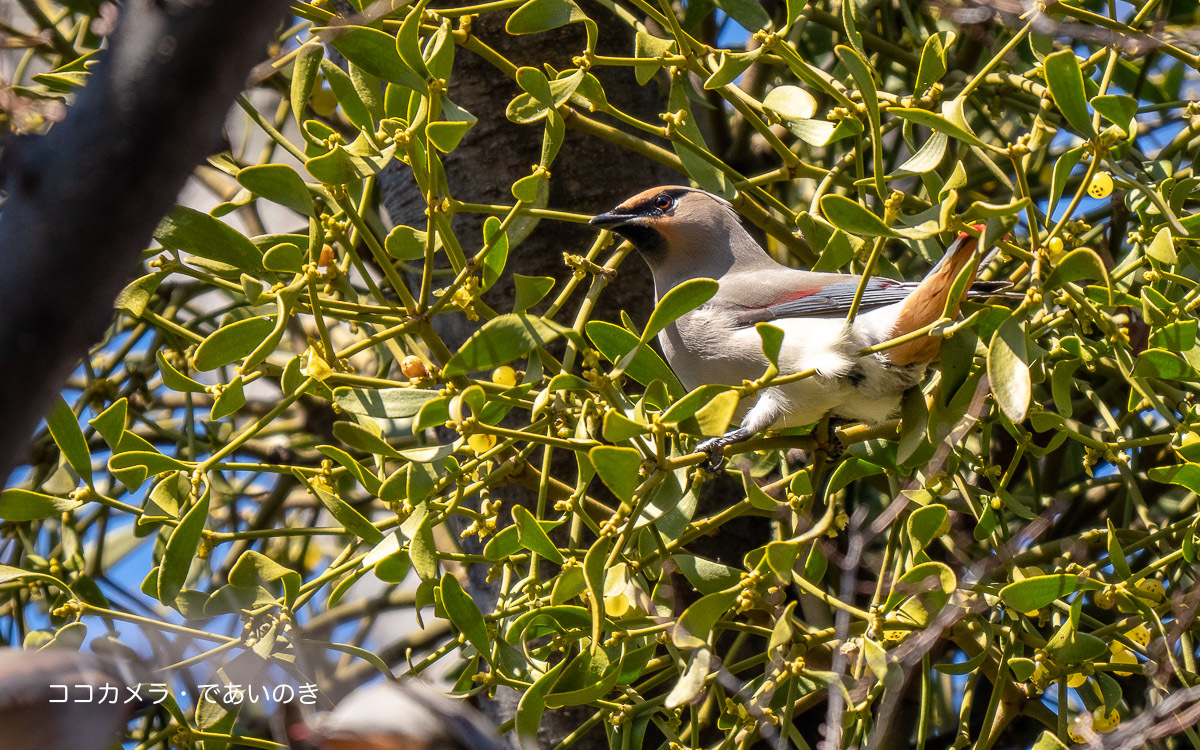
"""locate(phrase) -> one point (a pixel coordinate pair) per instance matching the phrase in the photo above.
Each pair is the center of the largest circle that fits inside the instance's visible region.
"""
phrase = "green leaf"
(497, 257)
(852, 218)
(408, 41)
(134, 298)
(931, 581)
(532, 536)
(966, 667)
(1185, 475)
(304, 76)
(1065, 80)
(465, 615)
(333, 168)
(285, 257)
(190, 231)
(928, 523)
(1068, 646)
(347, 96)
(180, 550)
(933, 61)
(864, 78)
(618, 468)
(790, 103)
(679, 301)
(64, 428)
(1162, 248)
(110, 423)
(255, 569)
(938, 123)
(348, 517)
(928, 157)
(647, 46)
(542, 15)
(1160, 363)
(1048, 741)
(1080, 263)
(530, 290)
(707, 576)
(614, 342)
(696, 623)
(1040, 591)
(231, 398)
(748, 13)
(174, 379)
(1008, 370)
(405, 243)
(500, 341)
(730, 65)
(618, 427)
(1062, 171)
(383, 403)
(1118, 109)
(375, 52)
(232, 342)
(1116, 555)
(445, 135)
(693, 402)
(25, 505)
(278, 183)
(365, 477)
(533, 703)
(589, 676)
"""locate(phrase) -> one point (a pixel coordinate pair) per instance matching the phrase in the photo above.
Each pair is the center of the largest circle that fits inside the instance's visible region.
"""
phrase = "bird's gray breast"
(704, 347)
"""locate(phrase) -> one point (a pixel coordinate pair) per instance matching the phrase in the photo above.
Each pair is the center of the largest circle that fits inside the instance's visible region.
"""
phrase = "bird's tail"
(927, 302)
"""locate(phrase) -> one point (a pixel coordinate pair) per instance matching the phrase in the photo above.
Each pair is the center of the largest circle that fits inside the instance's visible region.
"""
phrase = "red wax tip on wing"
(799, 294)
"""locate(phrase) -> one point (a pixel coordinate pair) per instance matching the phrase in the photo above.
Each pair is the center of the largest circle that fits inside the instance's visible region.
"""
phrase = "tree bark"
(83, 200)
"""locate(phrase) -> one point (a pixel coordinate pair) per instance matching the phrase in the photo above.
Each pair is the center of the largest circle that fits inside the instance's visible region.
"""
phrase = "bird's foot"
(714, 448)
(831, 446)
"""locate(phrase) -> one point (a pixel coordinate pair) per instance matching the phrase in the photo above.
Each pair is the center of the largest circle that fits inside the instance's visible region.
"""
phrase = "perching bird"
(405, 715)
(684, 233)
(58, 699)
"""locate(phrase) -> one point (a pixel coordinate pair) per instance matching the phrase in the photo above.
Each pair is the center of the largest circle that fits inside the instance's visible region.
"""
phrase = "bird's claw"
(714, 448)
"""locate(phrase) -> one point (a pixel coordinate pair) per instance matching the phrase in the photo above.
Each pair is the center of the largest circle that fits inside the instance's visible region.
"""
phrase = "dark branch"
(83, 200)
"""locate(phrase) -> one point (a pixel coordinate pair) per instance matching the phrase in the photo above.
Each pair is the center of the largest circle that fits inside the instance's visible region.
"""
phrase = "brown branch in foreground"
(83, 200)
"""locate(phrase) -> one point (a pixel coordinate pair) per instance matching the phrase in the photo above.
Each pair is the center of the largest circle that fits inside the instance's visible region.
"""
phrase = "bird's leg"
(762, 415)
(714, 448)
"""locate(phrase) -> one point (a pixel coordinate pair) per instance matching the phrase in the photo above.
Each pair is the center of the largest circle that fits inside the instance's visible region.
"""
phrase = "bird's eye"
(663, 202)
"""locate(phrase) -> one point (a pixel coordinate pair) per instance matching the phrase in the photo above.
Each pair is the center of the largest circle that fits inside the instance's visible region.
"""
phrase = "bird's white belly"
(704, 348)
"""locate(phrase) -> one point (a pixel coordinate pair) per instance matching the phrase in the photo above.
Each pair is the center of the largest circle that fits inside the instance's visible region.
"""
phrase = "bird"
(685, 233)
(59, 699)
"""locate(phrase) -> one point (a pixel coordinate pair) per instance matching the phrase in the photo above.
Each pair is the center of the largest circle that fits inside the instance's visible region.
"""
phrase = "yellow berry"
(1076, 680)
(480, 442)
(1151, 590)
(1054, 246)
(1139, 635)
(1124, 656)
(1101, 185)
(413, 367)
(1105, 721)
(505, 376)
(327, 256)
(323, 101)
(1105, 599)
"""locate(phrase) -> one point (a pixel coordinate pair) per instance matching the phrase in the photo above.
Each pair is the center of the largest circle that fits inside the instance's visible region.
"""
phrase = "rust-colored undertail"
(926, 303)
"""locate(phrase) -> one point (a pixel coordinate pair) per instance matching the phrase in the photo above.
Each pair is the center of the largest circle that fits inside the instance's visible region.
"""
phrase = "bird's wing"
(828, 300)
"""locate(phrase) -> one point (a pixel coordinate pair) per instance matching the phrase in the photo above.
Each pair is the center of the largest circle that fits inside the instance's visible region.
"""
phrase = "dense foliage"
(274, 417)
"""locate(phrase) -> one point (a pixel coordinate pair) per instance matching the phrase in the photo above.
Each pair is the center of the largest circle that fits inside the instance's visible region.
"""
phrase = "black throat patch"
(651, 244)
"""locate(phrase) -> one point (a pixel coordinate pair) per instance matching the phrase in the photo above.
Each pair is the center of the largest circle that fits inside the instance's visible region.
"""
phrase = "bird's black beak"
(610, 220)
